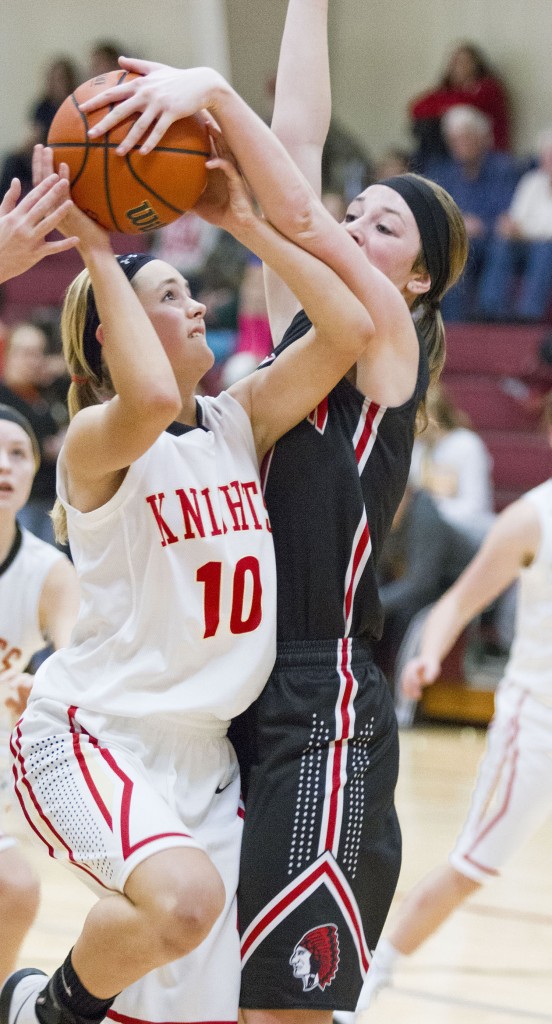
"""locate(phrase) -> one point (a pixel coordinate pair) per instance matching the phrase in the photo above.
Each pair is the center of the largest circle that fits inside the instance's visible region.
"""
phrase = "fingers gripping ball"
(132, 193)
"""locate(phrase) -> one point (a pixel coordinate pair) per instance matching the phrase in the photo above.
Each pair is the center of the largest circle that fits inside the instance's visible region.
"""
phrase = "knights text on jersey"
(337, 478)
(177, 580)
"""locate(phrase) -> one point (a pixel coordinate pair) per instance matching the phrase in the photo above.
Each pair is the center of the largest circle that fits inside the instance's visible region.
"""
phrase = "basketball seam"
(84, 120)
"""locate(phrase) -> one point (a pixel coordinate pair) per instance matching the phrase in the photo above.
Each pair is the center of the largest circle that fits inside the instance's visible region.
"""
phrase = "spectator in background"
(468, 79)
(394, 160)
(26, 372)
(482, 181)
(186, 244)
(17, 162)
(516, 281)
(454, 465)
(103, 57)
(61, 79)
(422, 556)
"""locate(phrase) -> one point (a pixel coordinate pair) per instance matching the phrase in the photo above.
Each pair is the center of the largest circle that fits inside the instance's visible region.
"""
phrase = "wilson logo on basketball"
(144, 217)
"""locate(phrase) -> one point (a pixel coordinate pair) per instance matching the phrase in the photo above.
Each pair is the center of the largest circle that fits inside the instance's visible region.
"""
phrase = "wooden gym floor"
(491, 963)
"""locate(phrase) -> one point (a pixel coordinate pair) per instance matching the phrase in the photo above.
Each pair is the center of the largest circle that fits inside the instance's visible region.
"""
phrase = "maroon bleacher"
(494, 374)
(44, 285)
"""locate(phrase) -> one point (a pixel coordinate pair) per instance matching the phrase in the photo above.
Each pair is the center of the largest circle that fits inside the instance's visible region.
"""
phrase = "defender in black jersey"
(322, 844)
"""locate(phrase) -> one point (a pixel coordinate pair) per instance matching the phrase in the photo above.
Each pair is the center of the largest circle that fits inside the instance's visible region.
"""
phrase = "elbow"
(163, 402)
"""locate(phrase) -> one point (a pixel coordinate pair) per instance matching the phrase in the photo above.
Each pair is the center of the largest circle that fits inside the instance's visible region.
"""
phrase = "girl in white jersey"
(121, 763)
(513, 793)
(39, 599)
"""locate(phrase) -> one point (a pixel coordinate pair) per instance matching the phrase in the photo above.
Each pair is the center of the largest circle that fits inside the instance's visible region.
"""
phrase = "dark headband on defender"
(131, 263)
(432, 223)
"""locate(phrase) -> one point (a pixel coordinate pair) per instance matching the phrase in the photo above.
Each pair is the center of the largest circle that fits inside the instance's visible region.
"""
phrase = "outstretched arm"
(24, 226)
(511, 544)
(301, 119)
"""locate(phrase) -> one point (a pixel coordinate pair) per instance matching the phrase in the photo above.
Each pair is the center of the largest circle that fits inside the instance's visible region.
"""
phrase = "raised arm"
(511, 544)
(102, 440)
(301, 120)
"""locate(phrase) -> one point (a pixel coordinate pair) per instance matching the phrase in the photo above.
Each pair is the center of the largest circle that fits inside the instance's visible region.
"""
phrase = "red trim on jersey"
(20, 796)
(319, 416)
(128, 786)
(364, 439)
(336, 769)
(123, 1018)
(511, 755)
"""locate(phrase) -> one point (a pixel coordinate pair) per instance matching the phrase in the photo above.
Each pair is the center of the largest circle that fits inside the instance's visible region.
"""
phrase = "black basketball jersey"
(332, 486)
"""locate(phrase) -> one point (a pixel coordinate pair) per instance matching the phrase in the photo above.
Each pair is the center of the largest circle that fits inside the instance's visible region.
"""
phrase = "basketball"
(133, 193)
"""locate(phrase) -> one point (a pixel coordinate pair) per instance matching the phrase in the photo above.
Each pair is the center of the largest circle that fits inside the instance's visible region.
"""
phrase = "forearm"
(319, 290)
(302, 106)
(137, 361)
(442, 628)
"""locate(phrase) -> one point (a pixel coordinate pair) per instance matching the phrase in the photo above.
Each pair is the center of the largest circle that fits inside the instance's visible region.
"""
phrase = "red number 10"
(210, 575)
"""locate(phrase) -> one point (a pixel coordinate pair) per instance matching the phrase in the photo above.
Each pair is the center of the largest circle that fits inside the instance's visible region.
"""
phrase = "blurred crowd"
(461, 136)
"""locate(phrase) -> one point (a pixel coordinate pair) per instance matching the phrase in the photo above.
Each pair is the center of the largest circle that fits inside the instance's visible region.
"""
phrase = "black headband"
(7, 412)
(432, 223)
(131, 263)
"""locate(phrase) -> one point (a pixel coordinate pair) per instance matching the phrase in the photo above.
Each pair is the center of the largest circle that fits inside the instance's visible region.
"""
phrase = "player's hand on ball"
(418, 673)
(75, 224)
(226, 200)
(161, 95)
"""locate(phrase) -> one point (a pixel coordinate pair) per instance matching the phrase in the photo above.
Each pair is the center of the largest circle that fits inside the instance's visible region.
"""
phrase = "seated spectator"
(482, 182)
(61, 79)
(103, 57)
(186, 244)
(17, 162)
(394, 160)
(26, 372)
(422, 556)
(468, 79)
(453, 464)
(516, 281)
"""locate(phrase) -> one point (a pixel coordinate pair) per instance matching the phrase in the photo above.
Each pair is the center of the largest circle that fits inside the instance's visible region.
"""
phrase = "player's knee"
(19, 896)
(188, 914)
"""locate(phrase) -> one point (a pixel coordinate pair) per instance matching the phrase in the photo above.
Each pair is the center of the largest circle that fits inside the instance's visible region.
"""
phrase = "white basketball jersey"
(530, 664)
(178, 582)
(20, 589)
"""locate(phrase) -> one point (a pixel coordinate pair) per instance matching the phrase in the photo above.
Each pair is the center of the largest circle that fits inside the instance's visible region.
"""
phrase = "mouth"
(198, 332)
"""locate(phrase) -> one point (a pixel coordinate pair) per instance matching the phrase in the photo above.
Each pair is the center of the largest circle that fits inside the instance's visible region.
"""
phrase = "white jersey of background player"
(121, 762)
(38, 605)
(513, 792)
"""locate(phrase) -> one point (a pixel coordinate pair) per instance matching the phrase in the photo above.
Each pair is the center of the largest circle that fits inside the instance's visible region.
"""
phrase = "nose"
(5, 464)
(197, 309)
(353, 229)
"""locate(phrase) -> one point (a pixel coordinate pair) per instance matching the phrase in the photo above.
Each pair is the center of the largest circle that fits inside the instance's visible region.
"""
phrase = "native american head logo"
(315, 958)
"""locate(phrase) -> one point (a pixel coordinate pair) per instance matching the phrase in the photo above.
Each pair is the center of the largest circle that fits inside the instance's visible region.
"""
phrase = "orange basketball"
(132, 193)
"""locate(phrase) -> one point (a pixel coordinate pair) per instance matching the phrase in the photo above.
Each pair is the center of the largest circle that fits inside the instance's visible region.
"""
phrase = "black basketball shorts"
(321, 847)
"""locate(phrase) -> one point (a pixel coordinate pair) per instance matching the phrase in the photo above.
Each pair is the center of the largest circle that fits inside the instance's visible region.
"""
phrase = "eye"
(169, 294)
(350, 217)
(383, 229)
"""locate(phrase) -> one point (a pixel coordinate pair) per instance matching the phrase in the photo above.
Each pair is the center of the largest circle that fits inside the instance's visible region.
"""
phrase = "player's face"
(17, 466)
(383, 226)
(177, 317)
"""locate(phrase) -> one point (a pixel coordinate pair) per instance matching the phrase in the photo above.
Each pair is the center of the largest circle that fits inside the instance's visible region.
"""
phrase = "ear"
(100, 334)
(419, 284)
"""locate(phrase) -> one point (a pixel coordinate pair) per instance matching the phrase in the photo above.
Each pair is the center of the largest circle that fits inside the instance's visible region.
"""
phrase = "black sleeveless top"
(332, 485)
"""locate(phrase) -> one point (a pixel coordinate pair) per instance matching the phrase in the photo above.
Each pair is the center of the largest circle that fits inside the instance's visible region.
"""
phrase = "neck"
(188, 414)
